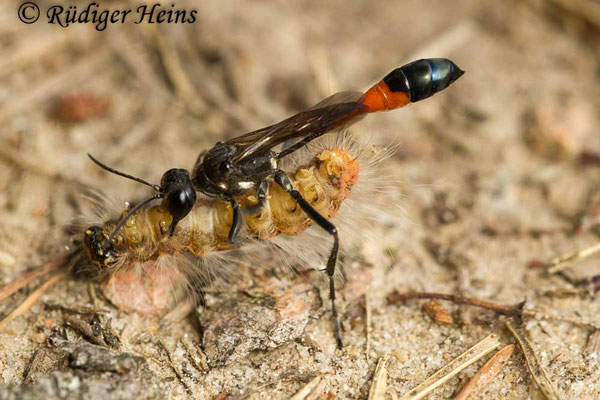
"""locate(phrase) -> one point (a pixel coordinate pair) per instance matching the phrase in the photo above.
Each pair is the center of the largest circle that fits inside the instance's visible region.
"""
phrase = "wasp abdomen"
(412, 82)
(423, 78)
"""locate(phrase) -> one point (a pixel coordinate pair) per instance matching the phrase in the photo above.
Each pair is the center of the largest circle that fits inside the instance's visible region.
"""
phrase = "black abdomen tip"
(443, 73)
(423, 78)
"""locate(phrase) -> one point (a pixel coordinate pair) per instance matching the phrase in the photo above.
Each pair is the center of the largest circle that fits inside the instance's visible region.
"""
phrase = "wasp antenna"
(129, 214)
(124, 175)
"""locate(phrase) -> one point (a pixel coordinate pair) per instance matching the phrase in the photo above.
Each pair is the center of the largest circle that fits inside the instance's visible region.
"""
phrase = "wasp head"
(179, 195)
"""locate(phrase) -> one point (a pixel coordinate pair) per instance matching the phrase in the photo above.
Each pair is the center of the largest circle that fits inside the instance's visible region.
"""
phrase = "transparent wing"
(331, 113)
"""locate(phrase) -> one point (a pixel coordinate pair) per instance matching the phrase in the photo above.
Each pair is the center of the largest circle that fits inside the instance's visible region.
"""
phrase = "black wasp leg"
(261, 194)
(283, 180)
(236, 223)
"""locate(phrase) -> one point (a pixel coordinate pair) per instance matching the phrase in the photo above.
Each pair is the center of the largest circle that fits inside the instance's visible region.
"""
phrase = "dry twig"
(511, 310)
(35, 296)
(65, 78)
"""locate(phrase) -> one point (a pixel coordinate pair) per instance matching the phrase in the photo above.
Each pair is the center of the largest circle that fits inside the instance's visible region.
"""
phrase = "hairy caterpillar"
(146, 268)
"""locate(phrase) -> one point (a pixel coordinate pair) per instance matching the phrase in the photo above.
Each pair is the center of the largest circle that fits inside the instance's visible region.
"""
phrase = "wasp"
(249, 163)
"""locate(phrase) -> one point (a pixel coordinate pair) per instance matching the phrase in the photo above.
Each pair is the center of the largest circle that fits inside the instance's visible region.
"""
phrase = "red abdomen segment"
(412, 82)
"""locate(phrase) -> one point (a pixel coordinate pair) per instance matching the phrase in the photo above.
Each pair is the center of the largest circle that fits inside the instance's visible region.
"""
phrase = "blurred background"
(499, 170)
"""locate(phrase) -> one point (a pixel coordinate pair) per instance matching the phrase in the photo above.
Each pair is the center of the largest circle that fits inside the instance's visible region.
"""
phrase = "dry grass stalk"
(29, 164)
(486, 374)
(141, 352)
(311, 390)
(490, 343)
(379, 383)
(533, 363)
(564, 261)
(453, 38)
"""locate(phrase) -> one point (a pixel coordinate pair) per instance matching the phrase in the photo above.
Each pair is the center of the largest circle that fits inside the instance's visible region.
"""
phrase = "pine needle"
(379, 384)
(533, 363)
(486, 374)
(311, 390)
(564, 261)
(461, 362)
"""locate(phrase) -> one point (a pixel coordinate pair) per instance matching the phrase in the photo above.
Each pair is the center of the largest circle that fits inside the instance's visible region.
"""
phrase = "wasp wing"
(331, 113)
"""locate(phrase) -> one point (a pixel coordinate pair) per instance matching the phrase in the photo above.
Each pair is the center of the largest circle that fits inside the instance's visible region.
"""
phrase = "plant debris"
(488, 344)
(538, 373)
(486, 374)
(438, 313)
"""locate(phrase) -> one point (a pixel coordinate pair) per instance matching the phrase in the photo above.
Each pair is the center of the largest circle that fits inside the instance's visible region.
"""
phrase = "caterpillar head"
(97, 253)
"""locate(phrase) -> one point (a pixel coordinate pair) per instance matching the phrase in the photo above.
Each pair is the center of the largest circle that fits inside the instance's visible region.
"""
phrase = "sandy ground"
(494, 174)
